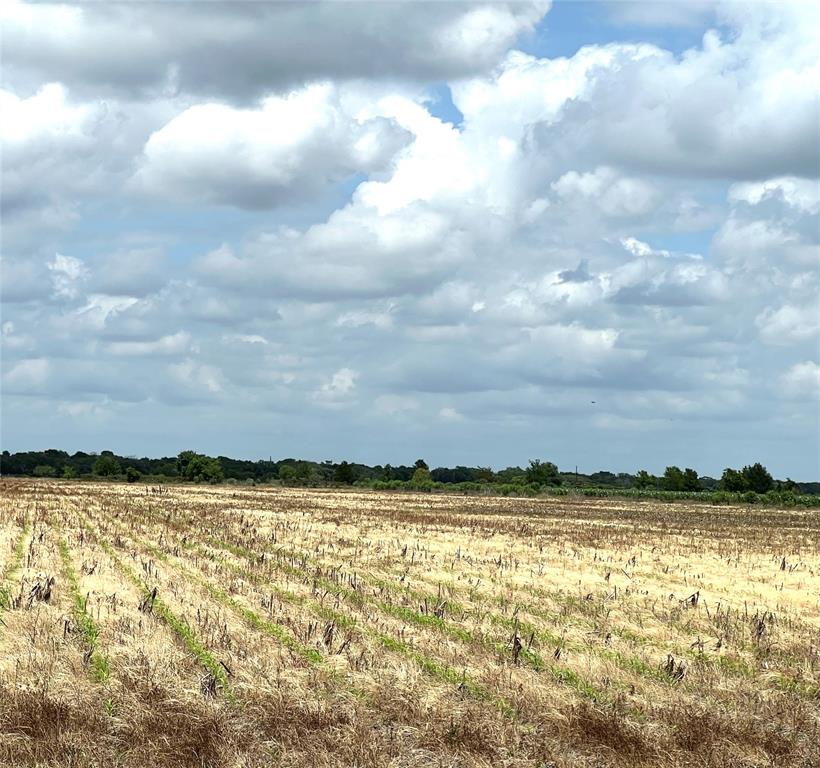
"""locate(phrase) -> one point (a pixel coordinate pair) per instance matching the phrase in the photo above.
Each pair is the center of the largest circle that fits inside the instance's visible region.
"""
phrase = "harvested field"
(240, 626)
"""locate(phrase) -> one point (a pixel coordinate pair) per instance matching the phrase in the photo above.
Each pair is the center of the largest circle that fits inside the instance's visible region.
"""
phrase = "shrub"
(786, 498)
(133, 475)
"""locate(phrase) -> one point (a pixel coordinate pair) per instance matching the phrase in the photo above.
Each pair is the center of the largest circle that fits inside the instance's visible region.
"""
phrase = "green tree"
(691, 481)
(673, 479)
(106, 466)
(69, 472)
(484, 475)
(757, 478)
(133, 475)
(204, 469)
(420, 464)
(313, 477)
(287, 473)
(644, 480)
(543, 473)
(421, 478)
(44, 470)
(199, 468)
(344, 474)
(183, 460)
(732, 480)
(511, 475)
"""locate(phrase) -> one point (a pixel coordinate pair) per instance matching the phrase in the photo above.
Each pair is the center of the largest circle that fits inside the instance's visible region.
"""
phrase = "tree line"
(538, 475)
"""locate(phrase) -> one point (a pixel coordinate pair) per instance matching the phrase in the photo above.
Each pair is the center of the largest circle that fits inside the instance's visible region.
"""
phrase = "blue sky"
(326, 238)
(572, 24)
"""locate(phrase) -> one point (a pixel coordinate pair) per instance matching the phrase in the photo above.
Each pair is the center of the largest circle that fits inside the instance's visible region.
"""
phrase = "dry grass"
(259, 627)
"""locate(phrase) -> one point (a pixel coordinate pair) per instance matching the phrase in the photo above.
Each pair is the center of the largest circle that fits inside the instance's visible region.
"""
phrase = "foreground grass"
(417, 596)
(180, 628)
(431, 666)
(12, 566)
(98, 662)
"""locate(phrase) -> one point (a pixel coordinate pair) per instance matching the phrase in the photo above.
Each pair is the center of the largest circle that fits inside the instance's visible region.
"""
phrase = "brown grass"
(325, 628)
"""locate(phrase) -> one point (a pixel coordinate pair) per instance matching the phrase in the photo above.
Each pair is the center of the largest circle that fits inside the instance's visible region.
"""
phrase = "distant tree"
(199, 468)
(421, 478)
(44, 470)
(543, 473)
(387, 472)
(644, 480)
(133, 475)
(511, 475)
(691, 481)
(484, 474)
(183, 460)
(287, 473)
(757, 478)
(673, 479)
(203, 469)
(69, 472)
(344, 474)
(313, 477)
(106, 465)
(420, 464)
(603, 478)
(732, 480)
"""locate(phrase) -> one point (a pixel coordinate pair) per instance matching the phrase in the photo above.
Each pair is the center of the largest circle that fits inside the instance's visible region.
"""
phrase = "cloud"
(802, 380)
(789, 324)
(450, 415)
(144, 51)
(287, 148)
(27, 376)
(659, 278)
(395, 405)
(134, 272)
(45, 142)
(803, 194)
(66, 273)
(716, 112)
(297, 238)
(361, 318)
(338, 390)
(191, 380)
(772, 222)
(44, 115)
(173, 344)
(246, 338)
(81, 410)
(615, 196)
(61, 151)
(357, 253)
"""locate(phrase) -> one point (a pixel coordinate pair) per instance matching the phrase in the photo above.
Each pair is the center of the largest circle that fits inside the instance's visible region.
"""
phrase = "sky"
(474, 233)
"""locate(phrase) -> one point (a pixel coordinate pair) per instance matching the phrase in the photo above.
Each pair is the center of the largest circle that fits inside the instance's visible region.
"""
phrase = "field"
(240, 626)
